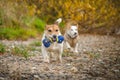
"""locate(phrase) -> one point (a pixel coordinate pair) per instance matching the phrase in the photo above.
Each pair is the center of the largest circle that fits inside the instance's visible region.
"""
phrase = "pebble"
(74, 69)
(1, 78)
(34, 68)
(68, 64)
(36, 77)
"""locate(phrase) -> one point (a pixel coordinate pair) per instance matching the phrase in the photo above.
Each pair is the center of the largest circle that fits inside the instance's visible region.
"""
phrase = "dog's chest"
(72, 42)
(54, 47)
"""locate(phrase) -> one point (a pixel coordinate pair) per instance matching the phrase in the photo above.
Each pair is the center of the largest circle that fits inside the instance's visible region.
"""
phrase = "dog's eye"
(56, 30)
(49, 30)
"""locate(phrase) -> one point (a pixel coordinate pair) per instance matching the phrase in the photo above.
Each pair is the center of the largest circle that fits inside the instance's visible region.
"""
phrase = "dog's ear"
(77, 25)
(46, 26)
(58, 21)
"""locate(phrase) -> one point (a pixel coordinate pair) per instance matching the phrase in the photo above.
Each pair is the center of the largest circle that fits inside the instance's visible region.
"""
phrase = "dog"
(71, 37)
(52, 42)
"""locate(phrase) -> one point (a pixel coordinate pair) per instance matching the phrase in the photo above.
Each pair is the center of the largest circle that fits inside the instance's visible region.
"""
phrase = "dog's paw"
(71, 50)
(46, 61)
(76, 52)
(60, 61)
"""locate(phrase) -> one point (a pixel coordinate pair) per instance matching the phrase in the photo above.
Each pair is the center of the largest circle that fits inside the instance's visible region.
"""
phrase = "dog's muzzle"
(54, 38)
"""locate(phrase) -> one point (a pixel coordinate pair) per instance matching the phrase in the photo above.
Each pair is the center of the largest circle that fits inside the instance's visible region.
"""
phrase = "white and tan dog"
(71, 37)
(55, 49)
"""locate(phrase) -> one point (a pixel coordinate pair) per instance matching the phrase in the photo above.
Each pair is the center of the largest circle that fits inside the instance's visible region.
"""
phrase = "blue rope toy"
(47, 42)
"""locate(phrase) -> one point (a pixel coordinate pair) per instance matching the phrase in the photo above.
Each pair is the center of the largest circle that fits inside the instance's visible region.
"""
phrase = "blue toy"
(47, 42)
(60, 39)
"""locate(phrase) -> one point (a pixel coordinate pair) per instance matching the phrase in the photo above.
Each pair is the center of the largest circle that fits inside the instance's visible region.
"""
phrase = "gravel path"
(98, 59)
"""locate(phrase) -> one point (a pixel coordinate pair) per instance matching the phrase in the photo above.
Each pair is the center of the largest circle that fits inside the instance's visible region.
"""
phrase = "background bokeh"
(23, 19)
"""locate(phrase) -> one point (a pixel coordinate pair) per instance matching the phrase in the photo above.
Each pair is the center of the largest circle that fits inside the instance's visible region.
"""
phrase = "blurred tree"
(90, 14)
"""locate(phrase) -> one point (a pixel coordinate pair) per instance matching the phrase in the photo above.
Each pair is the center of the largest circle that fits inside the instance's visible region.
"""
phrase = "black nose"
(54, 36)
(75, 33)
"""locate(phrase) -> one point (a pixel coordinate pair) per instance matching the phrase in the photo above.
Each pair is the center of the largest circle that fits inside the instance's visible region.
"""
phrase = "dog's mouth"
(74, 35)
(54, 39)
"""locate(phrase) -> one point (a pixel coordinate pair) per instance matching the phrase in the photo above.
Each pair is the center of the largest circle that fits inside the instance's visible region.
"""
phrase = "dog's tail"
(58, 21)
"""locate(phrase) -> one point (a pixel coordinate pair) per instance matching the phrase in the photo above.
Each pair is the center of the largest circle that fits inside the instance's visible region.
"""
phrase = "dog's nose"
(54, 36)
(75, 33)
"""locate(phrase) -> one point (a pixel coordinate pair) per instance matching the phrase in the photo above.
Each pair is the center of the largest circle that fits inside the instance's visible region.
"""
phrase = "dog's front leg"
(45, 55)
(60, 52)
(69, 47)
(76, 48)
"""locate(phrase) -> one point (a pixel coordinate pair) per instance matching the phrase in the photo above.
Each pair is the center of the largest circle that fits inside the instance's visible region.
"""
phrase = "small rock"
(36, 77)
(1, 78)
(116, 71)
(84, 49)
(74, 69)
(46, 69)
(68, 64)
(34, 68)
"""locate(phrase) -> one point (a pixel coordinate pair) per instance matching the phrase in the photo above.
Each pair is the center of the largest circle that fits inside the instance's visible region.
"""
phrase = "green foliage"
(93, 55)
(29, 15)
(31, 48)
(20, 51)
(39, 24)
(2, 48)
(67, 53)
(36, 43)
(16, 33)
(89, 14)
(34, 23)
(1, 22)
(19, 21)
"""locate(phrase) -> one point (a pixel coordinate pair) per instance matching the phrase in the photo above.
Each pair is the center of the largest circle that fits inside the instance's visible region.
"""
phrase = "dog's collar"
(71, 37)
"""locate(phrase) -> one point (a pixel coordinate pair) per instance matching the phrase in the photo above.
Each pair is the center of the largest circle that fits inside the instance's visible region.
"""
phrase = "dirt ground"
(98, 59)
